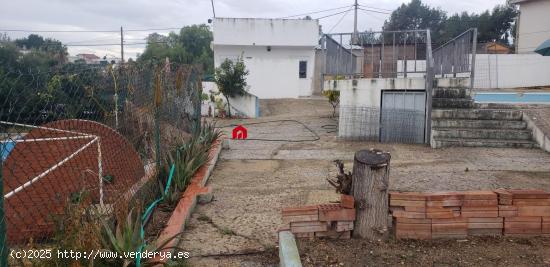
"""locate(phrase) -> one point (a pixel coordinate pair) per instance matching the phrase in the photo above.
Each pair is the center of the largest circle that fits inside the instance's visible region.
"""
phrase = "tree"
(230, 78)
(492, 26)
(52, 48)
(417, 16)
(495, 25)
(190, 46)
(333, 97)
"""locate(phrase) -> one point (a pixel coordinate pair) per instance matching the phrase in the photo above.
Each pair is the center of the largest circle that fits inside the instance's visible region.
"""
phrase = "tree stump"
(371, 169)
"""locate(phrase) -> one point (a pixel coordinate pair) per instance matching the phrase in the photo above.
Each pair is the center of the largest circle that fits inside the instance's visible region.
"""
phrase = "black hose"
(316, 138)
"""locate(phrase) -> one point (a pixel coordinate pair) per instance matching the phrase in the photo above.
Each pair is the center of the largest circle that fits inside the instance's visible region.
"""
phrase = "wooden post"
(371, 169)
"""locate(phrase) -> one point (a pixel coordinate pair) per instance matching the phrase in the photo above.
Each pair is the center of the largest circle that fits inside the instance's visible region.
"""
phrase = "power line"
(375, 11)
(340, 20)
(95, 31)
(315, 12)
(383, 9)
(333, 14)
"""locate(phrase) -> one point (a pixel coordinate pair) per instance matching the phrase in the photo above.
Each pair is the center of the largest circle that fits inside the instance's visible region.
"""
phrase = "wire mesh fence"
(83, 129)
(359, 123)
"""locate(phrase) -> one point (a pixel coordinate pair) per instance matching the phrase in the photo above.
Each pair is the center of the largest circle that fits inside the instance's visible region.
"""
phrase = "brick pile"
(325, 220)
(470, 213)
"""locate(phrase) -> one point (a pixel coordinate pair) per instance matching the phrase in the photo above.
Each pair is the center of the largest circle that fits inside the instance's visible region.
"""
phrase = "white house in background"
(534, 24)
(279, 53)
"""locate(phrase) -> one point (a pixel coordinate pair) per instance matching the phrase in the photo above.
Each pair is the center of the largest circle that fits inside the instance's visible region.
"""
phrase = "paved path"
(255, 179)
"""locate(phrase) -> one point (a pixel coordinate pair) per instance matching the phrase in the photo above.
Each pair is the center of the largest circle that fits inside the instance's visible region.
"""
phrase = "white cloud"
(141, 14)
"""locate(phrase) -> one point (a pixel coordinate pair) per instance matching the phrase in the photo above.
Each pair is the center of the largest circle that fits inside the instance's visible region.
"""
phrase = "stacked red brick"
(327, 220)
(469, 213)
(525, 212)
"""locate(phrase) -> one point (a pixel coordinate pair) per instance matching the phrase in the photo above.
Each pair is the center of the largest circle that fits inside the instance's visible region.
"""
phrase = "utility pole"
(354, 37)
(213, 10)
(121, 45)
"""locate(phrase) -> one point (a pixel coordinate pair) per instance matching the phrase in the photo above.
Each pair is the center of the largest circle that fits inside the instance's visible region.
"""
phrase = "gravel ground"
(255, 179)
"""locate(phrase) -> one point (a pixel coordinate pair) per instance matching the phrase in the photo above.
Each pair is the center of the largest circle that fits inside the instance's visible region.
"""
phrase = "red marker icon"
(240, 132)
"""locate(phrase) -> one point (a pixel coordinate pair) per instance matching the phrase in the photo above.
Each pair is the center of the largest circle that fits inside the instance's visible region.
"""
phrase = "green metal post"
(3, 238)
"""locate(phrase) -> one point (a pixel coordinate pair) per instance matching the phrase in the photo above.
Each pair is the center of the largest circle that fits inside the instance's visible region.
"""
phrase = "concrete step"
(454, 142)
(452, 103)
(438, 92)
(477, 114)
(486, 124)
(472, 133)
(495, 106)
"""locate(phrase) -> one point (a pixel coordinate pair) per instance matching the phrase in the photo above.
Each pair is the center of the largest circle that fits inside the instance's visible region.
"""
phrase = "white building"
(279, 53)
(534, 24)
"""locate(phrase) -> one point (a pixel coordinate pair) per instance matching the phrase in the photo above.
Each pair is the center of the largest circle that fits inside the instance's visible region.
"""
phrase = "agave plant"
(188, 158)
(127, 238)
(209, 133)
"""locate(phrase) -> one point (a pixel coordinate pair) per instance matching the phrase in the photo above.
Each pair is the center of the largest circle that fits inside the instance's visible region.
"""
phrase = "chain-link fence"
(85, 129)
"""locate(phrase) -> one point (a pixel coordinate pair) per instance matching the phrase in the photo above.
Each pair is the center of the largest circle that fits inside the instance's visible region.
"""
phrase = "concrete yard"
(255, 179)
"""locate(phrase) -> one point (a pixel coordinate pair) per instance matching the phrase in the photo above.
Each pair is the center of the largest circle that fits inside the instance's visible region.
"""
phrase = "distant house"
(279, 53)
(493, 48)
(533, 24)
(89, 58)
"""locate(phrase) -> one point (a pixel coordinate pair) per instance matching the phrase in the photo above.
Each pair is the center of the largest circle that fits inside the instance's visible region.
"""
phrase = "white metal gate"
(403, 116)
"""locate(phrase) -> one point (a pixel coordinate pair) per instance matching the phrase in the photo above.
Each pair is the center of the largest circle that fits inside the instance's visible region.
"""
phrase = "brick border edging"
(186, 205)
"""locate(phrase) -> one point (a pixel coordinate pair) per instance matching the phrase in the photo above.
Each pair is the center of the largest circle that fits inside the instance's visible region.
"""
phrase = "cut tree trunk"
(371, 169)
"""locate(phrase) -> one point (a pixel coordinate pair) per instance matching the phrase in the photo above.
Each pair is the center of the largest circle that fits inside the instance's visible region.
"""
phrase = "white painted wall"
(247, 105)
(271, 50)
(511, 71)
(534, 24)
(264, 32)
(272, 74)
(368, 92)
(494, 71)
(360, 103)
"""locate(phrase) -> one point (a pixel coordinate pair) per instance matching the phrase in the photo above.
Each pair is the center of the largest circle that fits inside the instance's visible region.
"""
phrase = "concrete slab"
(254, 180)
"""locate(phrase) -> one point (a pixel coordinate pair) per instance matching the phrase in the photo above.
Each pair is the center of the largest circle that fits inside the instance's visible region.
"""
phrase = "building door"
(403, 116)
(304, 79)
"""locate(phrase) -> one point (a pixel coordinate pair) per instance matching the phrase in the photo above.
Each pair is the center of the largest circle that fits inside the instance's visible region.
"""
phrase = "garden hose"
(315, 138)
(146, 215)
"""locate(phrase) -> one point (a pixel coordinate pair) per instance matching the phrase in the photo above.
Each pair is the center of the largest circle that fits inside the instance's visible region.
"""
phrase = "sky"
(110, 15)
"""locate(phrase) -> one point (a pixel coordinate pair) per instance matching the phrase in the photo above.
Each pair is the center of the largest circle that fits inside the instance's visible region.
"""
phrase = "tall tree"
(416, 16)
(494, 25)
(190, 46)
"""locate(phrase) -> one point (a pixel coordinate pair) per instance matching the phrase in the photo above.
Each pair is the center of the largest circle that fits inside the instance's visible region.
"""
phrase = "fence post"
(158, 101)
(429, 87)
(473, 64)
(3, 233)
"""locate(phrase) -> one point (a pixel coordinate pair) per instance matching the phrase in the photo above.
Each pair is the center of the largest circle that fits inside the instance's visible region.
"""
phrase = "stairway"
(458, 121)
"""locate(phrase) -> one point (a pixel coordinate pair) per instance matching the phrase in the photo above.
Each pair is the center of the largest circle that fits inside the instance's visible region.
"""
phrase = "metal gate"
(403, 116)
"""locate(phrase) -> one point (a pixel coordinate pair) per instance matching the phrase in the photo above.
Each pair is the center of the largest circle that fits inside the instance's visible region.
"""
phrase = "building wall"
(494, 71)
(247, 105)
(511, 71)
(272, 74)
(360, 103)
(534, 25)
(264, 32)
(271, 50)
(368, 92)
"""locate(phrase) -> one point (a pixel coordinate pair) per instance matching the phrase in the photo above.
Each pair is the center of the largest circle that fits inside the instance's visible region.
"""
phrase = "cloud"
(145, 14)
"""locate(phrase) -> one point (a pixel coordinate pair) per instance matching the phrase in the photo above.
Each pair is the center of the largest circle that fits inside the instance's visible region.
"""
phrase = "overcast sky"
(147, 14)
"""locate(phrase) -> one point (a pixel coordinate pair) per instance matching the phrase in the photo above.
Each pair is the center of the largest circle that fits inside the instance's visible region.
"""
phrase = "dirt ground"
(255, 179)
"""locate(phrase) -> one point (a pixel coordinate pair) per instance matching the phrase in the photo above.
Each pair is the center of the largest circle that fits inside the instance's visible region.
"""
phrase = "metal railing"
(384, 54)
(456, 58)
